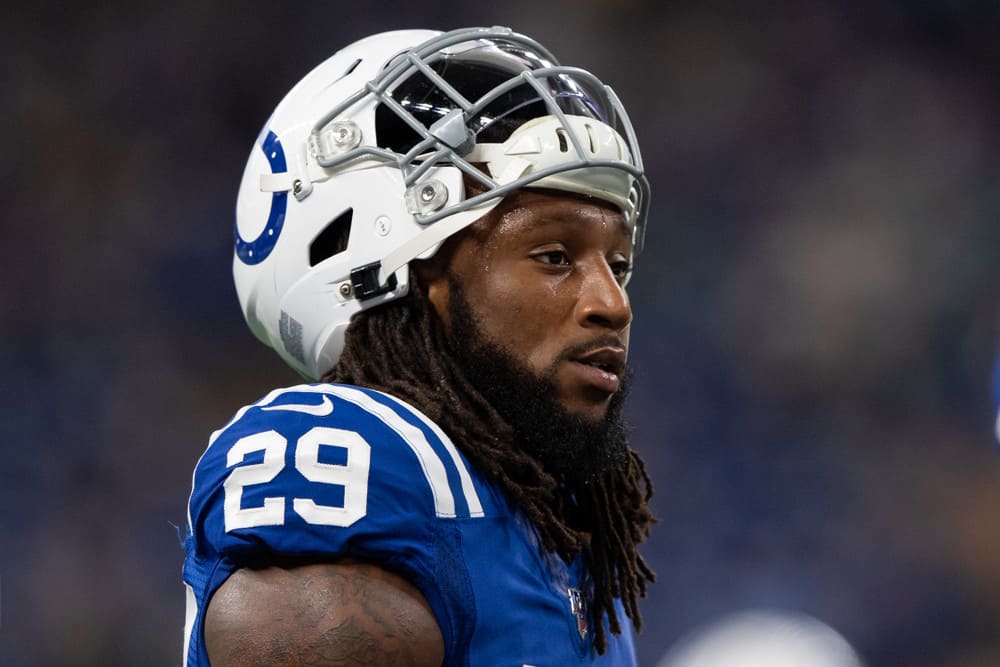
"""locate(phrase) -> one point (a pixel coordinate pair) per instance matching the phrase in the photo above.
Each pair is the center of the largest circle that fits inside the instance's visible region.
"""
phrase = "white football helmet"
(372, 147)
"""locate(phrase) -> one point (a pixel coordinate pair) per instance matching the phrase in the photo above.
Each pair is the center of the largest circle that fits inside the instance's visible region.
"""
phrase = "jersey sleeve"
(328, 471)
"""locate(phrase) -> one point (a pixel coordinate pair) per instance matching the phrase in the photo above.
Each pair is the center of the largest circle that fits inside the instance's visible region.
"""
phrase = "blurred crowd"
(817, 306)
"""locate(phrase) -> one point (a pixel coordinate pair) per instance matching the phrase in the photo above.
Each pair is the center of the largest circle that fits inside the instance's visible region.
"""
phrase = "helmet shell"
(320, 169)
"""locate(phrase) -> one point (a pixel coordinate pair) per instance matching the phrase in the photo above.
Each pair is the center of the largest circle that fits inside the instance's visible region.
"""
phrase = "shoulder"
(317, 455)
(320, 473)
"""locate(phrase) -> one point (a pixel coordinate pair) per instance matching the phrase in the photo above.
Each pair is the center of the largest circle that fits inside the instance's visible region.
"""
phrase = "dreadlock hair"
(603, 519)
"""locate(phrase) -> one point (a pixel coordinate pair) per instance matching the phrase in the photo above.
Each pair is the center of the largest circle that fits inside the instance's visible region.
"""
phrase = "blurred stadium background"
(817, 308)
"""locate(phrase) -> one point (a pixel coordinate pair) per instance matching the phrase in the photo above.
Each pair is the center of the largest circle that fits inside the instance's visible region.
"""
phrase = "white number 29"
(352, 475)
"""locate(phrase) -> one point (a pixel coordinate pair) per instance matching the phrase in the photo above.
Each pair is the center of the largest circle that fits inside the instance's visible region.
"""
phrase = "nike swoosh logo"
(321, 410)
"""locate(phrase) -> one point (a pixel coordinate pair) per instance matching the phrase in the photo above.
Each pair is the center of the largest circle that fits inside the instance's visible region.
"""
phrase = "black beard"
(571, 448)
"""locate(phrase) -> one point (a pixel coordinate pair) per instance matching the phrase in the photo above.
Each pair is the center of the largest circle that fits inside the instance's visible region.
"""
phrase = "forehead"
(526, 211)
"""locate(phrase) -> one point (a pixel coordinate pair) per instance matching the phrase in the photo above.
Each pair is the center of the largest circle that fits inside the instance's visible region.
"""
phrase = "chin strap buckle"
(364, 281)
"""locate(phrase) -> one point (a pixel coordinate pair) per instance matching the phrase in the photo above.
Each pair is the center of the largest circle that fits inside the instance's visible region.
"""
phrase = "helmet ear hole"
(333, 239)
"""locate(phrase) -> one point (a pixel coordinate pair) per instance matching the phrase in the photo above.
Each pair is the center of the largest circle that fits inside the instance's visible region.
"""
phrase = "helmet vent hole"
(332, 240)
(563, 144)
(350, 69)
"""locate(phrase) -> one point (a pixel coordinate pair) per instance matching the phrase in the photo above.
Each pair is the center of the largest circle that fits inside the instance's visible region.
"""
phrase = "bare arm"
(321, 615)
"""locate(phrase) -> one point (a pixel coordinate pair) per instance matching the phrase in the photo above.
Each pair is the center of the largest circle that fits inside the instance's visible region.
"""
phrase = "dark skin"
(544, 274)
(342, 614)
(550, 268)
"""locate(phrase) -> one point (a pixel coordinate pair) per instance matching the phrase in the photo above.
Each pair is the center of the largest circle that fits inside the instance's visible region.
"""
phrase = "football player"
(437, 229)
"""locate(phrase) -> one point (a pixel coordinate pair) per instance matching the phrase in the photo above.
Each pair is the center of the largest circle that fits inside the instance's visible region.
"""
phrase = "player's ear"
(432, 276)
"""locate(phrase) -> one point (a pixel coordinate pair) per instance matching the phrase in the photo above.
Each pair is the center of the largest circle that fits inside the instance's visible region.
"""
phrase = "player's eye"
(621, 268)
(553, 257)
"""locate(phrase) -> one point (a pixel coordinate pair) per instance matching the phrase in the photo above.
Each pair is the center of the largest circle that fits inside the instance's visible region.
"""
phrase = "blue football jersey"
(327, 471)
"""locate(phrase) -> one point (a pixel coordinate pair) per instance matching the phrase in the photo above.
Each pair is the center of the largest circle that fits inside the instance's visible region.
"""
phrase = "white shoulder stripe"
(468, 488)
(437, 477)
(471, 497)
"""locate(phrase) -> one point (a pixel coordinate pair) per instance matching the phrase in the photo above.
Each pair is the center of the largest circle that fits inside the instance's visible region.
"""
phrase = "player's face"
(543, 275)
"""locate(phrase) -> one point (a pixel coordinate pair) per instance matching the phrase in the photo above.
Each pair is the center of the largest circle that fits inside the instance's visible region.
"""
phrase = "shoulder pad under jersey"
(327, 470)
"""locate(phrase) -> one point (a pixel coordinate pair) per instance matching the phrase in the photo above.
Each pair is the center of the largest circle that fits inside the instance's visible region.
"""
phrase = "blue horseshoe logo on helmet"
(257, 250)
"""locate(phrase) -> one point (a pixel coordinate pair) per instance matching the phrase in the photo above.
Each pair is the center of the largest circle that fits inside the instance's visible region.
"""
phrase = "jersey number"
(352, 475)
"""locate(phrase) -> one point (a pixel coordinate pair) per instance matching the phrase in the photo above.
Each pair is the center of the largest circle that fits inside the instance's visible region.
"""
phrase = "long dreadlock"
(604, 520)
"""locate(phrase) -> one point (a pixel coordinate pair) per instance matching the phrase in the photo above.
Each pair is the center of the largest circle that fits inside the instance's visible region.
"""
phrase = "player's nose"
(603, 301)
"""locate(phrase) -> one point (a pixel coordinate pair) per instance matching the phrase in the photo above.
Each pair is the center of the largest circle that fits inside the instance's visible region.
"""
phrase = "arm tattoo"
(346, 614)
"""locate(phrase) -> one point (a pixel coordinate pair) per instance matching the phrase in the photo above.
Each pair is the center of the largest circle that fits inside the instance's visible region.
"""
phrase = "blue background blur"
(816, 310)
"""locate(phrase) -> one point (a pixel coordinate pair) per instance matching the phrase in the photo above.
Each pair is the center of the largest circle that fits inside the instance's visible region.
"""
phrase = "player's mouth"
(601, 368)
